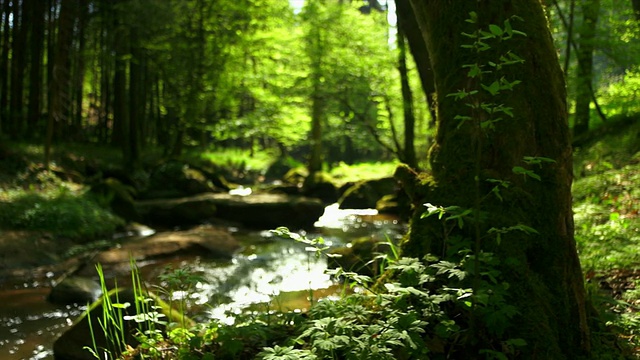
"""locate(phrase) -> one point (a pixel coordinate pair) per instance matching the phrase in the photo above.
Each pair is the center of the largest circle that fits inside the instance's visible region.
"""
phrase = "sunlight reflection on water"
(267, 267)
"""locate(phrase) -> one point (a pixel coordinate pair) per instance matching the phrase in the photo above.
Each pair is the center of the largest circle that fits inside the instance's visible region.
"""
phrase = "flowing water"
(268, 267)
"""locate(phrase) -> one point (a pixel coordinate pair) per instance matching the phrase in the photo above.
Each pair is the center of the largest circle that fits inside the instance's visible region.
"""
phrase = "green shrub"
(62, 213)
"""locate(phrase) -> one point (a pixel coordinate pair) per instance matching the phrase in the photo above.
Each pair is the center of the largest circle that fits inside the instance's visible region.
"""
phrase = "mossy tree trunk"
(543, 269)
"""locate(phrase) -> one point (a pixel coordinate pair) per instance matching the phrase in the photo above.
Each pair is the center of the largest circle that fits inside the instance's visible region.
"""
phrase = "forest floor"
(607, 221)
(606, 194)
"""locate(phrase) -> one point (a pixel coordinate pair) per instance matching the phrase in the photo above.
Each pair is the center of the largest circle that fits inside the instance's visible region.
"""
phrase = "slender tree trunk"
(136, 98)
(584, 77)
(4, 66)
(36, 83)
(542, 269)
(567, 51)
(77, 130)
(18, 55)
(53, 8)
(316, 53)
(409, 151)
(106, 74)
(120, 99)
(317, 118)
(408, 26)
(59, 88)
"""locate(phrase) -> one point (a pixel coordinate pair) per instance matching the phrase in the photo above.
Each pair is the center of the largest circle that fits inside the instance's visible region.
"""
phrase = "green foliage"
(181, 282)
(623, 96)
(362, 171)
(606, 217)
(239, 160)
(61, 212)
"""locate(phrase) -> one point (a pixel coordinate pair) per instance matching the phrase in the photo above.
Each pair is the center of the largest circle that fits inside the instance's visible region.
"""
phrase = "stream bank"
(266, 267)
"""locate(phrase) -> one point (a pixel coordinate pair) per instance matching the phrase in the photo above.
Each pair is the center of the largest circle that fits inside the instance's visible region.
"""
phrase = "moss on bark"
(543, 269)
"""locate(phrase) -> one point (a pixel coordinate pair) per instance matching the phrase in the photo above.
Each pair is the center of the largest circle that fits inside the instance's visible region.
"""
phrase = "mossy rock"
(397, 204)
(184, 211)
(118, 196)
(295, 176)
(177, 179)
(75, 289)
(365, 194)
(388, 204)
(280, 167)
(322, 186)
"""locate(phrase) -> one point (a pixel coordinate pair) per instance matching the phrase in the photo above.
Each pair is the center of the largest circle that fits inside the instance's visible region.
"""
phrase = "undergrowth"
(607, 227)
(61, 208)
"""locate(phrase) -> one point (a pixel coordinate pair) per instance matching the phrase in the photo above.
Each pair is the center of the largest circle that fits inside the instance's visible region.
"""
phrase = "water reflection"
(268, 266)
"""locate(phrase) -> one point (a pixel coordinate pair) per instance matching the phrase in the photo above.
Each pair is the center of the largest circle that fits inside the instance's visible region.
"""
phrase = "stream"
(268, 267)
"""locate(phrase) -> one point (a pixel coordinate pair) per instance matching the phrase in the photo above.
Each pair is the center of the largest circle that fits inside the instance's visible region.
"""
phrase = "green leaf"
(493, 89)
(507, 27)
(495, 30)
(474, 71)
(522, 171)
(614, 216)
(517, 342)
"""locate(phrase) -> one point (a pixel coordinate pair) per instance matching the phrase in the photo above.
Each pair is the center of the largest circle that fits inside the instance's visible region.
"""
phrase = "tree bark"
(76, 131)
(18, 53)
(4, 67)
(136, 102)
(408, 25)
(35, 76)
(542, 269)
(59, 87)
(584, 55)
(408, 153)
(316, 48)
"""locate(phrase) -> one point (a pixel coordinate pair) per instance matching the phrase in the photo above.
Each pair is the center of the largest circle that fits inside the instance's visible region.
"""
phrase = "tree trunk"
(408, 26)
(4, 67)
(120, 135)
(316, 48)
(317, 118)
(18, 53)
(35, 76)
(77, 132)
(542, 269)
(584, 55)
(409, 151)
(59, 88)
(136, 102)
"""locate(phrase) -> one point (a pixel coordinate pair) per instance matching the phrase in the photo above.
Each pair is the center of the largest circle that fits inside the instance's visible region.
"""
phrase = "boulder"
(118, 196)
(269, 211)
(295, 176)
(190, 210)
(175, 179)
(75, 289)
(258, 211)
(365, 194)
(322, 186)
(203, 240)
(280, 167)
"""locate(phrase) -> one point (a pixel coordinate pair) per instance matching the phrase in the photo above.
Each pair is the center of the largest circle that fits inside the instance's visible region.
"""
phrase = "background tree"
(584, 55)
(139, 74)
(480, 144)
